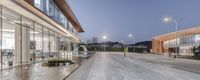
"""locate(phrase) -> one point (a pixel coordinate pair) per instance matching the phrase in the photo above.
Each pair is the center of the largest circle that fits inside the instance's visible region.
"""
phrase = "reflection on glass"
(0, 40)
(24, 41)
(28, 41)
(9, 35)
(52, 45)
(38, 40)
(46, 43)
(8, 43)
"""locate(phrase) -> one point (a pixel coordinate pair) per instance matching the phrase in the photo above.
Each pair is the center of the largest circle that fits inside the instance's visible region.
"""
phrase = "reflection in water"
(38, 72)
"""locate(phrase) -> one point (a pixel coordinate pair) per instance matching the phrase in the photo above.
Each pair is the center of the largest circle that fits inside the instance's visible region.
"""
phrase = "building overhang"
(29, 11)
(66, 10)
(63, 6)
(181, 33)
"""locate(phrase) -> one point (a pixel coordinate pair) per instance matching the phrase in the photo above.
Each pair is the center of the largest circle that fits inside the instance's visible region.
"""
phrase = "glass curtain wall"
(56, 47)
(63, 47)
(42, 5)
(28, 40)
(52, 44)
(10, 34)
(38, 42)
(23, 41)
(1, 55)
(50, 8)
(46, 43)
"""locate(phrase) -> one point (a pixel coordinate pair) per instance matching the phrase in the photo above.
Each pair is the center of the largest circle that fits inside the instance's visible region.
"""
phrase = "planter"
(52, 64)
(57, 62)
(71, 62)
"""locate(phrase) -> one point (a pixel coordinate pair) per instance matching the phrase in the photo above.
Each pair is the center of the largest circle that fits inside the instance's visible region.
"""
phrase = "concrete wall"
(157, 46)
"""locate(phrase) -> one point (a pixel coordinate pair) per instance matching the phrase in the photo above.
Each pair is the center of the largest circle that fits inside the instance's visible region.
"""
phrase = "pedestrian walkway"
(38, 72)
(179, 63)
(114, 66)
(83, 71)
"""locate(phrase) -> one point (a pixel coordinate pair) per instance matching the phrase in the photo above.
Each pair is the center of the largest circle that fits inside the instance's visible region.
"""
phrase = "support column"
(17, 50)
(69, 48)
(1, 56)
(26, 45)
(75, 48)
(161, 47)
(22, 45)
(156, 46)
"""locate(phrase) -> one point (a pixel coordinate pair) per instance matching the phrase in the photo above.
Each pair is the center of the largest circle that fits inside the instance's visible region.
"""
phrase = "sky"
(142, 18)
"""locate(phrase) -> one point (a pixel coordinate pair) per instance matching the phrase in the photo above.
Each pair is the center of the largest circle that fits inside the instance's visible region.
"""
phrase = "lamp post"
(123, 48)
(104, 38)
(122, 43)
(131, 36)
(168, 20)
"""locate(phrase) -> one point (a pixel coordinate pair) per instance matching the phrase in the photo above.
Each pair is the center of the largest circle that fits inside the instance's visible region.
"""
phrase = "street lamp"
(104, 38)
(122, 41)
(123, 47)
(168, 20)
(130, 36)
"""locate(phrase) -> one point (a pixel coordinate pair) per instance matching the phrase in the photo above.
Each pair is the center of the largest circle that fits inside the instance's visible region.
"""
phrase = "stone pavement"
(114, 66)
(37, 72)
(178, 63)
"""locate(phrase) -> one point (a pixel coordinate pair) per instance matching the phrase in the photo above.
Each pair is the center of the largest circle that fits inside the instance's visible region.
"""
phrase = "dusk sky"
(143, 18)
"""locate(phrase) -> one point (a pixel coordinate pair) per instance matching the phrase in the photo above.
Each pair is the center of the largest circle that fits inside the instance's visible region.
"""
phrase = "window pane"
(56, 14)
(10, 38)
(51, 9)
(8, 43)
(28, 40)
(10, 15)
(38, 40)
(39, 4)
(52, 44)
(46, 43)
(0, 39)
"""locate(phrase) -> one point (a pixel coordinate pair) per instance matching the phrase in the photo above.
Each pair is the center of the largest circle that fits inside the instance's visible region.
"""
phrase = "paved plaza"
(114, 66)
(37, 72)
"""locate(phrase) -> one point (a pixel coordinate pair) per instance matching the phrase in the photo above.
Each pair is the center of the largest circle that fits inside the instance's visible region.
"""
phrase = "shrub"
(56, 62)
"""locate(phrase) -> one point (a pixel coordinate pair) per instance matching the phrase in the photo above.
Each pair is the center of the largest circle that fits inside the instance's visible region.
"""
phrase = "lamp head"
(104, 37)
(130, 35)
(167, 19)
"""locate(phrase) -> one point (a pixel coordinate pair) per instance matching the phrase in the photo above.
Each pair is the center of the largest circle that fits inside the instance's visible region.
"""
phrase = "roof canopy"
(172, 35)
(63, 6)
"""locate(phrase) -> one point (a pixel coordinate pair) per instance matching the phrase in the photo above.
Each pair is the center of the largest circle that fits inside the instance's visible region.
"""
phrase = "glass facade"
(10, 26)
(185, 44)
(25, 41)
(192, 40)
(46, 43)
(49, 7)
(1, 52)
(38, 41)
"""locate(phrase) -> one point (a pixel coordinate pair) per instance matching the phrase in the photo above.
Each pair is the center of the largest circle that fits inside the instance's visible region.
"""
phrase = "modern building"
(187, 40)
(36, 30)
